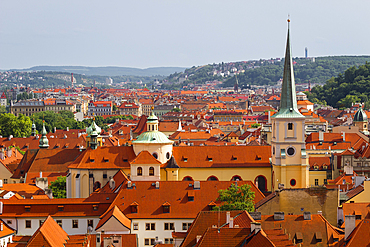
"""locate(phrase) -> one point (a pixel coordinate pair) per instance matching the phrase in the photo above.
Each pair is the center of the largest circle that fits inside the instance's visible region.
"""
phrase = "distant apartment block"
(99, 108)
(28, 108)
(129, 108)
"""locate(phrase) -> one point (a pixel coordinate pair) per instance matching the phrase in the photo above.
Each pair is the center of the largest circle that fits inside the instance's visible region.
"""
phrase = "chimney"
(55, 129)
(228, 217)
(279, 216)
(9, 152)
(306, 215)
(196, 185)
(231, 224)
(268, 117)
(321, 136)
(255, 227)
(2, 154)
(344, 136)
(49, 193)
(67, 128)
(1, 183)
(40, 174)
(350, 225)
(129, 184)
(112, 183)
(157, 185)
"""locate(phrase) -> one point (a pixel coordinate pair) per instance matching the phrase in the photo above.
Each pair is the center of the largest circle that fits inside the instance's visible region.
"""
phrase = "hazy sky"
(151, 33)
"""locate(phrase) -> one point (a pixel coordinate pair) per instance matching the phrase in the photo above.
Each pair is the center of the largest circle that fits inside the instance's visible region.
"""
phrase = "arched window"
(212, 178)
(187, 178)
(151, 171)
(261, 183)
(140, 171)
(97, 185)
(155, 155)
(236, 178)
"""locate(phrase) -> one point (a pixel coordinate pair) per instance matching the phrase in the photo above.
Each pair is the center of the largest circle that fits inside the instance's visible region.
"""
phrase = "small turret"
(33, 128)
(44, 142)
(93, 135)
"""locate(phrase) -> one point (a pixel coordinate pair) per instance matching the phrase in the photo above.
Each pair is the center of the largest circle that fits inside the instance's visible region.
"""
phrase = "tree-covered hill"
(266, 72)
(349, 87)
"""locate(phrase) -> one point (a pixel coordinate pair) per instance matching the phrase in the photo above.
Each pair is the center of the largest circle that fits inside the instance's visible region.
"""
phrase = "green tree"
(255, 125)
(176, 109)
(59, 187)
(114, 108)
(17, 126)
(236, 198)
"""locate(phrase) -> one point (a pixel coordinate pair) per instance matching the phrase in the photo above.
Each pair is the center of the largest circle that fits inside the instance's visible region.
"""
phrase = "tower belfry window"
(290, 126)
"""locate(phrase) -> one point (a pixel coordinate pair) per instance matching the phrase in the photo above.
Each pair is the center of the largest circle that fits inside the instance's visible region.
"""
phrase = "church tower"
(360, 120)
(289, 160)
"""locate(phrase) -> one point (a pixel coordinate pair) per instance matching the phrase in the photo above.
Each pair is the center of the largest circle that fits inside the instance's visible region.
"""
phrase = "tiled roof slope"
(150, 200)
(105, 158)
(23, 189)
(144, 157)
(46, 160)
(77, 207)
(223, 237)
(6, 231)
(49, 234)
(294, 224)
(360, 235)
(203, 221)
(222, 156)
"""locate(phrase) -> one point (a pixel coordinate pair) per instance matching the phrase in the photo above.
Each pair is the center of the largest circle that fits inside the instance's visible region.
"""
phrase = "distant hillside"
(107, 71)
(265, 72)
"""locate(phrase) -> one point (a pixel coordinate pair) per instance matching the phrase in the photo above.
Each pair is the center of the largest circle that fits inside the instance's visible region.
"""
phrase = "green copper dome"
(152, 118)
(360, 116)
(155, 137)
(93, 128)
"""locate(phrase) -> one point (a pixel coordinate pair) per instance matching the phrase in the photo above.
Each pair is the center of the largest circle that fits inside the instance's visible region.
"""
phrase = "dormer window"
(324, 167)
(209, 159)
(134, 207)
(27, 208)
(166, 207)
(211, 206)
(61, 208)
(190, 196)
(316, 168)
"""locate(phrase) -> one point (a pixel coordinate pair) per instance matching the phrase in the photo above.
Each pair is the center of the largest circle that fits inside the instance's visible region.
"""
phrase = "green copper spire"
(288, 100)
(44, 142)
(33, 128)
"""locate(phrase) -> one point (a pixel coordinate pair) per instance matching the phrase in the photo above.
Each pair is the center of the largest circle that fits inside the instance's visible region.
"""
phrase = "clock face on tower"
(290, 151)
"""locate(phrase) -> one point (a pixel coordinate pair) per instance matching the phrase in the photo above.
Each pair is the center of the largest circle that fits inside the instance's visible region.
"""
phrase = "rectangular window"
(169, 226)
(59, 222)
(41, 222)
(168, 240)
(90, 223)
(149, 226)
(9, 222)
(28, 224)
(74, 223)
(290, 126)
(136, 226)
(186, 226)
(5, 181)
(316, 182)
(149, 241)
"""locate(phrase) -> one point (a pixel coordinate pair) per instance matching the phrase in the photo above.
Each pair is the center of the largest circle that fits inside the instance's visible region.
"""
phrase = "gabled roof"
(145, 158)
(175, 193)
(360, 235)
(222, 156)
(104, 158)
(118, 215)
(203, 221)
(49, 234)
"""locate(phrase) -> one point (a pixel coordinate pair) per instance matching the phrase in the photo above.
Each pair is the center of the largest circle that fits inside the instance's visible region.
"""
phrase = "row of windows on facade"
(40, 109)
(90, 223)
(151, 241)
(166, 226)
(99, 109)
